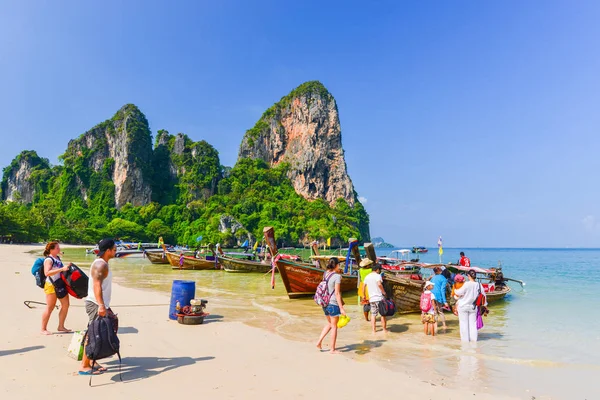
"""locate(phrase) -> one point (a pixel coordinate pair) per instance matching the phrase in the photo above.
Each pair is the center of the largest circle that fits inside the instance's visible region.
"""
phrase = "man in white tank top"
(97, 303)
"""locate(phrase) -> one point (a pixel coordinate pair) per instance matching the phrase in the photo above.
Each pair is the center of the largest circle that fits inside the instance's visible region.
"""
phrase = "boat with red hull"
(301, 280)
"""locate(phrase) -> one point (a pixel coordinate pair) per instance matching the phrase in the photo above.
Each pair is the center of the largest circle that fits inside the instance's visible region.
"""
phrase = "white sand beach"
(217, 360)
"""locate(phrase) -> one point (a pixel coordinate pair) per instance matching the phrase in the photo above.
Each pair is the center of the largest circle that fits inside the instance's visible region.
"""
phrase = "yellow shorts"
(49, 287)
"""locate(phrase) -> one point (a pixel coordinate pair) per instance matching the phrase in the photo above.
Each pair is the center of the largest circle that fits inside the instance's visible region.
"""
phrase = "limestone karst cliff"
(21, 179)
(303, 129)
(119, 148)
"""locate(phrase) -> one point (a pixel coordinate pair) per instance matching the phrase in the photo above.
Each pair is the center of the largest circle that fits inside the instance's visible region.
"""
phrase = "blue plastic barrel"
(182, 292)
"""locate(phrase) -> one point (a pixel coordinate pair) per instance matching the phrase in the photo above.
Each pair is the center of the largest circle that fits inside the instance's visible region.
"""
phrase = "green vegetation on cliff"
(306, 89)
(190, 192)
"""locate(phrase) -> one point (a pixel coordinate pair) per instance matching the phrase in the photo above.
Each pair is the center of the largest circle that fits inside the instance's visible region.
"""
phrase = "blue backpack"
(37, 270)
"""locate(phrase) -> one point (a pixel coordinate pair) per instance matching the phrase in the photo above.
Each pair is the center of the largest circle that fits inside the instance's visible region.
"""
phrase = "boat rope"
(29, 302)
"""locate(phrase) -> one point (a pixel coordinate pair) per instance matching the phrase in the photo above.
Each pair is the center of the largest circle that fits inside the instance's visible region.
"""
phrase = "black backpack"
(76, 282)
(102, 342)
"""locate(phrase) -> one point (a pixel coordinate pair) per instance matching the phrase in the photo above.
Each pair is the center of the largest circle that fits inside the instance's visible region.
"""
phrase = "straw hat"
(365, 263)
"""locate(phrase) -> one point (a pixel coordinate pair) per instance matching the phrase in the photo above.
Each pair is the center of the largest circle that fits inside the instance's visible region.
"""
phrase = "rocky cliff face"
(20, 178)
(303, 129)
(195, 166)
(121, 148)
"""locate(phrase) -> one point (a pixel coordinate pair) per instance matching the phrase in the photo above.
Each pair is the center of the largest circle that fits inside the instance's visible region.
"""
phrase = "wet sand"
(224, 358)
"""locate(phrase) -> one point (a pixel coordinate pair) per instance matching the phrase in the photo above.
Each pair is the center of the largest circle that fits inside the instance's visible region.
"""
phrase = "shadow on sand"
(17, 351)
(397, 328)
(213, 318)
(137, 368)
(127, 329)
(362, 348)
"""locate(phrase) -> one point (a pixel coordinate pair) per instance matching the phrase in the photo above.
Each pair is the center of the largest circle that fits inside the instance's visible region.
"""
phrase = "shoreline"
(224, 358)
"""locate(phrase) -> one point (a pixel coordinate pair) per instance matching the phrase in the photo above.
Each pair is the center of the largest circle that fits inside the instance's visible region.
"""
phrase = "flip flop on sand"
(91, 372)
(100, 368)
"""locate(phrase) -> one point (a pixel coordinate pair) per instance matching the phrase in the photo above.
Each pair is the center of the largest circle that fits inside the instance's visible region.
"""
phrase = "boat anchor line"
(29, 302)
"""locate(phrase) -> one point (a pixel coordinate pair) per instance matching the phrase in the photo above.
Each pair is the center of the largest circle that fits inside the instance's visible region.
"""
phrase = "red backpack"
(425, 302)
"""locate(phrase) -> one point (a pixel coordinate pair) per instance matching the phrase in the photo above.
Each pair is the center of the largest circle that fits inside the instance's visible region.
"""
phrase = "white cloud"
(363, 200)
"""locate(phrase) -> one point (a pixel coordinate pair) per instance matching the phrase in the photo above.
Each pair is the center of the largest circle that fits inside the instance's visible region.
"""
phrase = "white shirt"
(106, 286)
(469, 292)
(371, 281)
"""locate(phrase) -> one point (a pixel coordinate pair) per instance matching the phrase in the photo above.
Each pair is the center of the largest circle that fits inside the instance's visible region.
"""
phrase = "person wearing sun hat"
(428, 314)
(365, 269)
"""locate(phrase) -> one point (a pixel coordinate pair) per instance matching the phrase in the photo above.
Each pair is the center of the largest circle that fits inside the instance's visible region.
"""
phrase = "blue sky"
(471, 120)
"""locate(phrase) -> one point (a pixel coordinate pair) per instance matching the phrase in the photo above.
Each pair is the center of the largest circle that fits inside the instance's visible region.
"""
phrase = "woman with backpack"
(335, 305)
(469, 297)
(54, 288)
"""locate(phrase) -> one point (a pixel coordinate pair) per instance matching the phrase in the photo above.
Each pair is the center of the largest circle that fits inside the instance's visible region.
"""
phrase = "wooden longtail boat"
(190, 263)
(301, 280)
(498, 294)
(157, 258)
(405, 292)
(231, 264)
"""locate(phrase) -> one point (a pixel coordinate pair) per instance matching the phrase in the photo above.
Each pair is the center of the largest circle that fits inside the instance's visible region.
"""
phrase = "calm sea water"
(543, 340)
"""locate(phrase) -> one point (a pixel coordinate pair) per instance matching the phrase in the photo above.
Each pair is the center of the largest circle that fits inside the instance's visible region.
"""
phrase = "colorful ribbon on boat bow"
(273, 266)
(350, 246)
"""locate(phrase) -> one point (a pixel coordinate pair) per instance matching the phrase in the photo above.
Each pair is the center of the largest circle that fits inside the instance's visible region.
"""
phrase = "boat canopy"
(479, 270)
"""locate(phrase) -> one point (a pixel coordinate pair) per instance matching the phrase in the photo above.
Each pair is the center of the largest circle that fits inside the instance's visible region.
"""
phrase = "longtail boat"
(405, 292)
(231, 264)
(495, 287)
(300, 279)
(157, 258)
(190, 263)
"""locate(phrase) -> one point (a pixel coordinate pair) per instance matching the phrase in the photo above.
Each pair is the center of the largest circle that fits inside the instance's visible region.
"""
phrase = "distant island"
(379, 242)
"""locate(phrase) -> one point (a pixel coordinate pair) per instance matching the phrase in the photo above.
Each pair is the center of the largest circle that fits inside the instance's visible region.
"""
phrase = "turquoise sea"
(542, 341)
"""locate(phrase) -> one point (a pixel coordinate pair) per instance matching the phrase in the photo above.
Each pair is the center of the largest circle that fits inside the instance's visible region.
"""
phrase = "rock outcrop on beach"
(228, 225)
(119, 149)
(21, 178)
(303, 129)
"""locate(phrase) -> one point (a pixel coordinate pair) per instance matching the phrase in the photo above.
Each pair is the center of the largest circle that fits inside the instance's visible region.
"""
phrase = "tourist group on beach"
(97, 302)
(469, 295)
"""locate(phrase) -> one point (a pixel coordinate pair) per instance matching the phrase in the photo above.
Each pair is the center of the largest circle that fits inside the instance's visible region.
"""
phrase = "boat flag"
(328, 242)
(440, 248)
(199, 238)
(255, 246)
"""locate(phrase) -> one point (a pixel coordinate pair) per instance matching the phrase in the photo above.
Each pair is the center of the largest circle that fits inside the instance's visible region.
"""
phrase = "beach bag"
(480, 300)
(60, 288)
(76, 282)
(479, 320)
(75, 350)
(425, 302)
(102, 342)
(343, 321)
(37, 270)
(390, 308)
(322, 295)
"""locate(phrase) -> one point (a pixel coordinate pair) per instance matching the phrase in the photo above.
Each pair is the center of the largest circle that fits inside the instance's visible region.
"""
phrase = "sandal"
(90, 372)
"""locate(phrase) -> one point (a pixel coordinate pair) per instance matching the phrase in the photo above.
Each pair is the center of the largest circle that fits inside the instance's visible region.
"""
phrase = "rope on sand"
(29, 302)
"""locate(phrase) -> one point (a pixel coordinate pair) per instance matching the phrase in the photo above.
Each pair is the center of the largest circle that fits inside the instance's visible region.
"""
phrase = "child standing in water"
(428, 309)
(459, 281)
